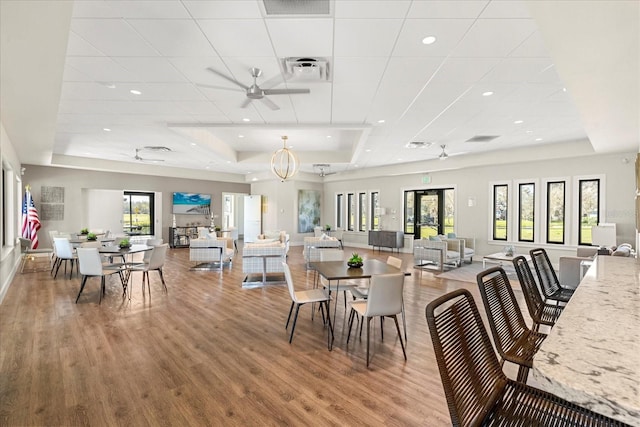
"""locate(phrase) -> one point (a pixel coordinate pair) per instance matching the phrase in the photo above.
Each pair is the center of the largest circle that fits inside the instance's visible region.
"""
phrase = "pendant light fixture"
(284, 163)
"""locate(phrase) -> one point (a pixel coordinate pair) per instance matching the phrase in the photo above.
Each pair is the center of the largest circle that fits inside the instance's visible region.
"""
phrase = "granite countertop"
(592, 355)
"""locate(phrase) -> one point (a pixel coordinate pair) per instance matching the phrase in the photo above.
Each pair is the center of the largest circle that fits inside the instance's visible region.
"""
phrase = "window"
(5, 197)
(555, 212)
(138, 213)
(500, 206)
(375, 217)
(588, 208)
(409, 218)
(526, 210)
(362, 210)
(339, 201)
(449, 211)
(351, 214)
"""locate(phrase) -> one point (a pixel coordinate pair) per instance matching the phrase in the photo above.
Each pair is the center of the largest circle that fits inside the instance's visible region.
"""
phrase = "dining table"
(334, 271)
(592, 355)
(125, 252)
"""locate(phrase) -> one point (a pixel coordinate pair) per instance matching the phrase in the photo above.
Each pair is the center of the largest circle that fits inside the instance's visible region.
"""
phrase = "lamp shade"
(284, 163)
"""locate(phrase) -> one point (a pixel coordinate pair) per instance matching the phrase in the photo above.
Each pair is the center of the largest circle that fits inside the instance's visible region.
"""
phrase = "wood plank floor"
(208, 352)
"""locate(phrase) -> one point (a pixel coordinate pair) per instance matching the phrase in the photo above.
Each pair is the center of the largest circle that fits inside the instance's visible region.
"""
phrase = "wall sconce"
(380, 211)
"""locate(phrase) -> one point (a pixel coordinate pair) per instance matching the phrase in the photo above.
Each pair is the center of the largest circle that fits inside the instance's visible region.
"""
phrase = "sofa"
(211, 253)
(272, 236)
(438, 253)
(263, 257)
(313, 246)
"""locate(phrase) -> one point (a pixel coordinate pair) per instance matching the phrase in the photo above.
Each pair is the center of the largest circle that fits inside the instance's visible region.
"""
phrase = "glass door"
(137, 213)
(429, 214)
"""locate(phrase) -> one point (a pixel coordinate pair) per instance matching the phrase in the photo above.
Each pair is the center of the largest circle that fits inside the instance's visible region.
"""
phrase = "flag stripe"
(30, 220)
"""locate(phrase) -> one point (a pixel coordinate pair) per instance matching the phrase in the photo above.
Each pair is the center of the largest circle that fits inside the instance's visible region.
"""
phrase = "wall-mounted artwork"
(191, 203)
(308, 210)
(51, 203)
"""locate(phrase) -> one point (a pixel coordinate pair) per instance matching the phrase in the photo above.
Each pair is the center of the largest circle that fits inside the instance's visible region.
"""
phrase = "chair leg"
(84, 281)
(295, 319)
(404, 322)
(148, 283)
(162, 279)
(330, 339)
(368, 324)
(289, 317)
(395, 318)
(381, 328)
(101, 289)
(351, 317)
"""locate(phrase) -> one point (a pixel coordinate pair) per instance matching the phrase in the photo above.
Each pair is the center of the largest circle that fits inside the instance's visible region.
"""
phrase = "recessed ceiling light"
(135, 92)
(517, 122)
(240, 136)
(110, 85)
(429, 40)
(368, 150)
(193, 143)
(106, 129)
(529, 131)
(207, 167)
(355, 166)
(399, 159)
(254, 179)
(228, 161)
(538, 139)
(246, 119)
(381, 121)
(488, 93)
(328, 136)
(564, 89)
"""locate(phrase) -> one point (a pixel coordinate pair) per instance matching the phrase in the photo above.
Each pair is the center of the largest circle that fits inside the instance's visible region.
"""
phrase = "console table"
(386, 239)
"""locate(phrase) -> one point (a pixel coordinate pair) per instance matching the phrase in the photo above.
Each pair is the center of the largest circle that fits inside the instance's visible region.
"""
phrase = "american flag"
(30, 220)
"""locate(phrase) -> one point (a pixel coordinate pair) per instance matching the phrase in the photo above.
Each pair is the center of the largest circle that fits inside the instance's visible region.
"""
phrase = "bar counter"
(592, 355)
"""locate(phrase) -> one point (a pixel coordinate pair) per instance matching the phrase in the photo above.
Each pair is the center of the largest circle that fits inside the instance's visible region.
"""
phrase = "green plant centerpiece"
(84, 231)
(327, 227)
(92, 236)
(124, 243)
(355, 261)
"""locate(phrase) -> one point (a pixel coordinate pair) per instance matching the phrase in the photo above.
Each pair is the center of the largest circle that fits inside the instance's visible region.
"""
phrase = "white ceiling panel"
(238, 37)
(174, 37)
(486, 38)
(514, 70)
(447, 9)
(77, 46)
(223, 9)
(102, 69)
(532, 47)
(464, 70)
(448, 34)
(301, 37)
(151, 69)
(371, 9)
(365, 37)
(90, 91)
(505, 9)
(112, 37)
(148, 9)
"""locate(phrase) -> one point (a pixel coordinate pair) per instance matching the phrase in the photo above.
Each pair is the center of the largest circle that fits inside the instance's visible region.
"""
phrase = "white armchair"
(263, 258)
(210, 253)
(436, 253)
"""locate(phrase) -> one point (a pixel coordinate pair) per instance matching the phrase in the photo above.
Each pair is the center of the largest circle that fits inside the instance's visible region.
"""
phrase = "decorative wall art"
(308, 210)
(51, 203)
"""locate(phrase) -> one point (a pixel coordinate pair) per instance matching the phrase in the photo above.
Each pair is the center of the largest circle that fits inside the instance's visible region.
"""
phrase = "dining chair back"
(338, 234)
(384, 299)
(547, 278)
(156, 262)
(540, 312)
(299, 298)
(150, 242)
(476, 389)
(394, 261)
(317, 231)
(90, 265)
(513, 339)
(64, 253)
(234, 234)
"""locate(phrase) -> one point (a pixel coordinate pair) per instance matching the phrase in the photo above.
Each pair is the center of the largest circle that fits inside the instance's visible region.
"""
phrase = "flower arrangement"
(355, 261)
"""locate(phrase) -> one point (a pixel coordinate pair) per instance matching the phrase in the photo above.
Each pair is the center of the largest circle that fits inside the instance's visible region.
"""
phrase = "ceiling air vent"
(418, 144)
(157, 148)
(297, 7)
(482, 138)
(306, 69)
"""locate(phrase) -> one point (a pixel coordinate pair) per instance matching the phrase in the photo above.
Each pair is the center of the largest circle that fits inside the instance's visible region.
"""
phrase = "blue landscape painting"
(191, 203)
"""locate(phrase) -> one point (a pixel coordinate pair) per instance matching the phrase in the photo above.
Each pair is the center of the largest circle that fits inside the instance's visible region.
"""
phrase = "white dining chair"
(384, 300)
(90, 265)
(64, 253)
(299, 298)
(156, 262)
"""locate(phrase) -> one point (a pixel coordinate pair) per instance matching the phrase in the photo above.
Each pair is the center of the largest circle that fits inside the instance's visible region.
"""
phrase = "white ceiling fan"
(256, 92)
(322, 167)
(443, 155)
(146, 159)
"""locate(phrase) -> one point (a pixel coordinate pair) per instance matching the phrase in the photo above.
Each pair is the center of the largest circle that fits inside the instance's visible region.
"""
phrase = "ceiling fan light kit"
(284, 162)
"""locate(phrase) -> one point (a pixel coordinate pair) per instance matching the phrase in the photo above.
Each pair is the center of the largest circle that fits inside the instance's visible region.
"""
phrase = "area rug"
(468, 273)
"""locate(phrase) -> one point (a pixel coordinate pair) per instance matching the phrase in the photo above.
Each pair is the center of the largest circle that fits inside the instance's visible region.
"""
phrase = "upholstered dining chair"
(156, 262)
(547, 278)
(384, 300)
(515, 342)
(90, 265)
(541, 313)
(476, 389)
(300, 298)
(64, 253)
(340, 286)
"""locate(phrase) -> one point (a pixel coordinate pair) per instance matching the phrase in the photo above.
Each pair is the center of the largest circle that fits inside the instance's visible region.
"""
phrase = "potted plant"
(92, 236)
(124, 243)
(355, 261)
(327, 227)
(84, 231)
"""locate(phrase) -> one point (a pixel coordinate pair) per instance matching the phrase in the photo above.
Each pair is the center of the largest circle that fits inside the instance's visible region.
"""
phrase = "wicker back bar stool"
(548, 279)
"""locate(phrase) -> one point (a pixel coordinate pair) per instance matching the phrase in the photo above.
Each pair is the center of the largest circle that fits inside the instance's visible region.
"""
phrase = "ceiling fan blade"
(246, 103)
(224, 76)
(285, 91)
(217, 87)
(269, 103)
